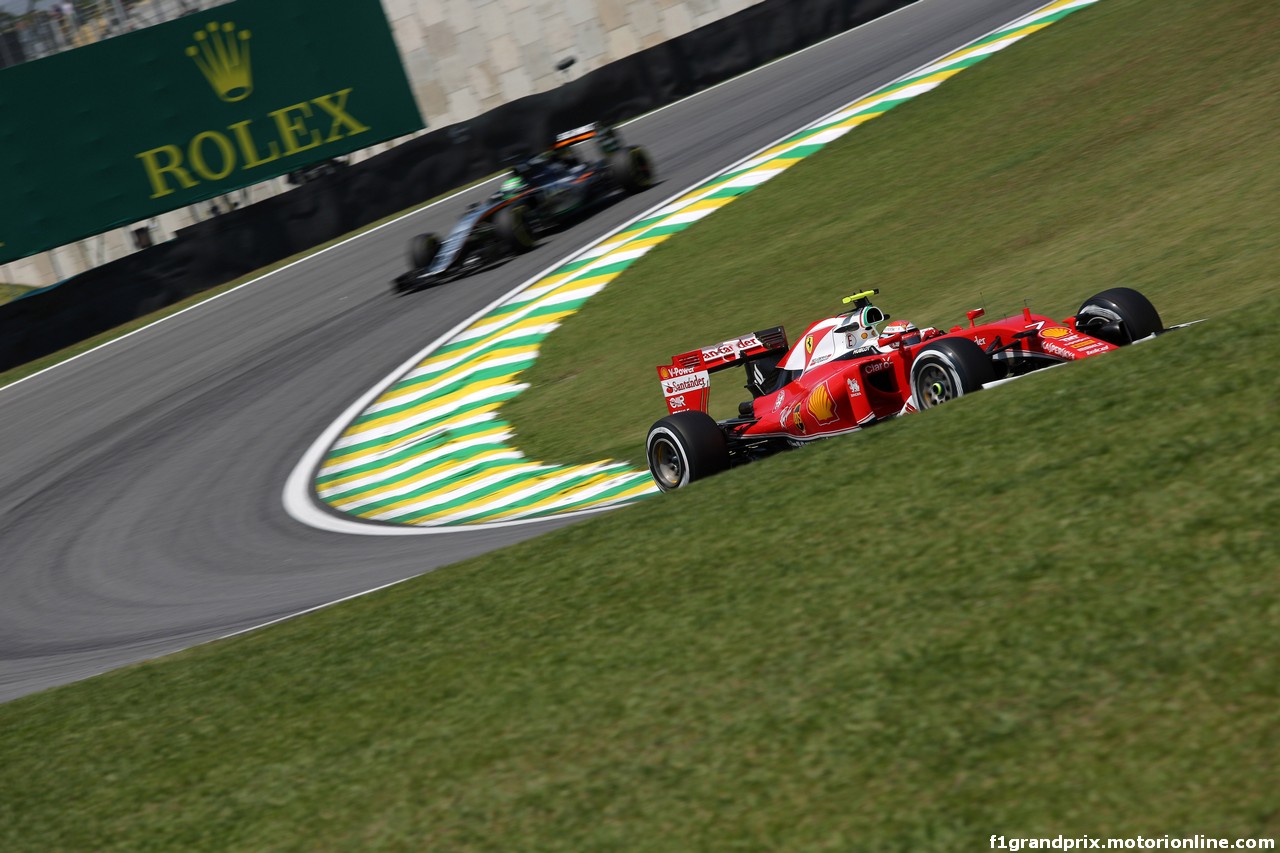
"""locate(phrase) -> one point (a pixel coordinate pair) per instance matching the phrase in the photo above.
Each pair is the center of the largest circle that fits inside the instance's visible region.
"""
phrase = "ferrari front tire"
(684, 447)
(948, 368)
(1118, 316)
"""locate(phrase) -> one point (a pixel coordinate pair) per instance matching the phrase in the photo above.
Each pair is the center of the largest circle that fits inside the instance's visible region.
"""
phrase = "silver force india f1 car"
(859, 368)
(583, 167)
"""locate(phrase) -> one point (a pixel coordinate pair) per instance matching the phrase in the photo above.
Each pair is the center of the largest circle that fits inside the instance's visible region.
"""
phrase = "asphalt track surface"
(140, 485)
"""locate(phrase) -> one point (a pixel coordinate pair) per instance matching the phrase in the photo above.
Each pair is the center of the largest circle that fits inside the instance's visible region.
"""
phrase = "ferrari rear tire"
(1118, 316)
(948, 368)
(684, 447)
(632, 169)
(423, 249)
(512, 228)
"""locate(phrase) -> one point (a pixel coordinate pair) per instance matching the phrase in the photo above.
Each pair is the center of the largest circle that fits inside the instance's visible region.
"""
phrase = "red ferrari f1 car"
(859, 368)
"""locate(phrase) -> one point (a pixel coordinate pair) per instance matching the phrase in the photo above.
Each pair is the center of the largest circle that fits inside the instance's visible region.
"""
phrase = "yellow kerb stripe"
(428, 404)
(409, 437)
(552, 498)
(459, 369)
(636, 491)
(481, 342)
(477, 506)
(492, 473)
(339, 482)
(434, 471)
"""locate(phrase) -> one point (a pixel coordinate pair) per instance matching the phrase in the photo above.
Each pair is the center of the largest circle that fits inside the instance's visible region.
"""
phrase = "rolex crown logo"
(222, 55)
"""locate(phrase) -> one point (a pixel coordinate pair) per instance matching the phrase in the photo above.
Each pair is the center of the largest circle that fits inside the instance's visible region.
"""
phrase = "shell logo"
(1054, 332)
(821, 404)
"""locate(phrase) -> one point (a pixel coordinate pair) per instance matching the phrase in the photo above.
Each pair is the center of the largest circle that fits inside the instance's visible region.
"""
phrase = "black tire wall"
(238, 242)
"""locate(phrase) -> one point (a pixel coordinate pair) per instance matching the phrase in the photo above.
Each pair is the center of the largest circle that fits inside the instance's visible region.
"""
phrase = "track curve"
(140, 484)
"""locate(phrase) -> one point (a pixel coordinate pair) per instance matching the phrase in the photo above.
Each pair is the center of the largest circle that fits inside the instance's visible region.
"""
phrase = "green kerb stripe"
(478, 495)
(420, 426)
(410, 452)
(538, 495)
(458, 384)
(461, 455)
(464, 474)
(605, 495)
(486, 350)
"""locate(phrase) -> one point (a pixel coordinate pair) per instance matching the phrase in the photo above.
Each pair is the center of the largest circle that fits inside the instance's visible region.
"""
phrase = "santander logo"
(701, 379)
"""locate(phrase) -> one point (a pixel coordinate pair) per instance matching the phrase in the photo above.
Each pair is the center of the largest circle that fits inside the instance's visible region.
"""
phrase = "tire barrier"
(240, 241)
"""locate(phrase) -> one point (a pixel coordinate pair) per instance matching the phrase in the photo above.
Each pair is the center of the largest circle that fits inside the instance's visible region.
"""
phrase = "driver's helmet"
(512, 186)
(910, 334)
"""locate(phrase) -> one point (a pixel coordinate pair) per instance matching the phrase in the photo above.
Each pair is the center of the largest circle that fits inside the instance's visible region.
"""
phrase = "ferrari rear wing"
(686, 381)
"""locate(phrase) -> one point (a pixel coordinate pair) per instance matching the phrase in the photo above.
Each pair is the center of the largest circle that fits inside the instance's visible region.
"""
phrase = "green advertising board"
(121, 130)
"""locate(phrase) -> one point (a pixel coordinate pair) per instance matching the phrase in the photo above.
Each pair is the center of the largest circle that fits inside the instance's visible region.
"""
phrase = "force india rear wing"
(606, 136)
(686, 381)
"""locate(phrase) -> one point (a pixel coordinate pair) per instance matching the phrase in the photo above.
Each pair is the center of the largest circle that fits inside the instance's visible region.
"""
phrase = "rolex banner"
(118, 131)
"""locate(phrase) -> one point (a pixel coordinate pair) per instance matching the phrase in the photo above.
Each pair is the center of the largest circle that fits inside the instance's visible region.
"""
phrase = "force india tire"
(513, 228)
(423, 250)
(632, 169)
(684, 447)
(1118, 316)
(947, 369)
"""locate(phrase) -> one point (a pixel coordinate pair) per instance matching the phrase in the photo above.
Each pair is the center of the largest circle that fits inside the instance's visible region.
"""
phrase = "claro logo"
(221, 53)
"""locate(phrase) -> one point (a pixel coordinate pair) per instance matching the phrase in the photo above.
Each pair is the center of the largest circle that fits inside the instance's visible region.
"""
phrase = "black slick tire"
(423, 249)
(948, 368)
(684, 447)
(632, 169)
(512, 228)
(1118, 316)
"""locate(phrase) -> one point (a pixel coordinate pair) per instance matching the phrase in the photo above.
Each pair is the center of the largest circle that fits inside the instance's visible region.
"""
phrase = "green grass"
(10, 292)
(1048, 608)
(1096, 153)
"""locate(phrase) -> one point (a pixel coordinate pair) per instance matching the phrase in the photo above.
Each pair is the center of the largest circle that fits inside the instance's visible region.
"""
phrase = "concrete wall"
(463, 58)
(467, 56)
